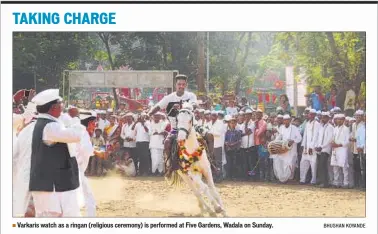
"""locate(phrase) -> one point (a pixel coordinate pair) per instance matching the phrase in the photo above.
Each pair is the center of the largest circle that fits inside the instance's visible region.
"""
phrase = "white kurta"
(340, 155)
(85, 151)
(310, 139)
(157, 146)
(284, 164)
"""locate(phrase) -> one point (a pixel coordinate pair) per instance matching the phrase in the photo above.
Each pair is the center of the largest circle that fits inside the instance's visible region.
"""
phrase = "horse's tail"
(174, 179)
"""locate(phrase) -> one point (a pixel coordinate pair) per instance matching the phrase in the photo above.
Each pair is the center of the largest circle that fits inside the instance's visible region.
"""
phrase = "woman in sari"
(111, 135)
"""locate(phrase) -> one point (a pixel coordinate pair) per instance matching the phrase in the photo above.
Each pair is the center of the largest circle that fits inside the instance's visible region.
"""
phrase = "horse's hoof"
(218, 209)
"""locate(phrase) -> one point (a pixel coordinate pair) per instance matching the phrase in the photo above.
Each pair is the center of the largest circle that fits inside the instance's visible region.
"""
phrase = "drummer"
(284, 164)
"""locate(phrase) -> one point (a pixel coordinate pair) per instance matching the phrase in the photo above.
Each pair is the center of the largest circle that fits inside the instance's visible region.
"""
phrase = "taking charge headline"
(67, 18)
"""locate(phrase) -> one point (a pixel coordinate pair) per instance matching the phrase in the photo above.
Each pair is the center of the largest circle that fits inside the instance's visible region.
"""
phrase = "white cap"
(312, 111)
(199, 102)
(347, 118)
(129, 114)
(359, 112)
(259, 110)
(201, 110)
(339, 116)
(248, 111)
(352, 119)
(86, 115)
(286, 116)
(207, 112)
(336, 109)
(280, 116)
(228, 118)
(326, 113)
(220, 112)
(318, 112)
(241, 112)
(110, 110)
(214, 112)
(46, 96)
(71, 107)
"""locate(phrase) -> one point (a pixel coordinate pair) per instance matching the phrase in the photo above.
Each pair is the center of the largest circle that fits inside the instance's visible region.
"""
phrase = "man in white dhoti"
(323, 149)
(309, 158)
(284, 164)
(340, 145)
(85, 150)
(53, 173)
(157, 134)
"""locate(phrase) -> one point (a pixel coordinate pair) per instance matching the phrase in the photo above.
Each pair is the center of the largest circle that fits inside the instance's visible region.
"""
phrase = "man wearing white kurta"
(157, 134)
(53, 173)
(217, 130)
(310, 138)
(284, 164)
(247, 143)
(323, 149)
(129, 139)
(340, 145)
(102, 122)
(359, 137)
(85, 151)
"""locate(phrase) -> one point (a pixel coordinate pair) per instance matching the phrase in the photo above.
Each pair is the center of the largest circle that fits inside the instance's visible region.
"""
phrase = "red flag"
(260, 96)
(274, 97)
(267, 97)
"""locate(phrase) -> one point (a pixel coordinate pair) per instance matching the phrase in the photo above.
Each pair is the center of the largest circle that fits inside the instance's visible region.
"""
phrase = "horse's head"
(184, 123)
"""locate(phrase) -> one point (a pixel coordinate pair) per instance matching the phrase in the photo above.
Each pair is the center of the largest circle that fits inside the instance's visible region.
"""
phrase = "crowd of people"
(240, 146)
(321, 148)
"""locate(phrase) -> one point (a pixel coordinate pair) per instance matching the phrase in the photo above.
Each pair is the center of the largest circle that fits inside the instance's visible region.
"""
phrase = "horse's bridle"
(183, 129)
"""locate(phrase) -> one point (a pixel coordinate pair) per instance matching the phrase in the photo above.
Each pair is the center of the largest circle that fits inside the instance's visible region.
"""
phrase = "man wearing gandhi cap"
(54, 174)
(66, 118)
(358, 138)
(284, 165)
(339, 158)
(323, 149)
(309, 157)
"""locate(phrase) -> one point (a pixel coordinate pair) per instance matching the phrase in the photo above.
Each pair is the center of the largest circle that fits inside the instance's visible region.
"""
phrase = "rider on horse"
(172, 103)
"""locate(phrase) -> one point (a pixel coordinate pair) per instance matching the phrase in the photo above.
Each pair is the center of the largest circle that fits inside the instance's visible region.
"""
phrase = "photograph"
(159, 124)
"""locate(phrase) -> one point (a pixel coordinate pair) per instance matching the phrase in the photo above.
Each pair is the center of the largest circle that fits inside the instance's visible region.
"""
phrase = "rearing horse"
(194, 164)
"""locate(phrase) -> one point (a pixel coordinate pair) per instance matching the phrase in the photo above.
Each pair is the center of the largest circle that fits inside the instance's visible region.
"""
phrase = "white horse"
(196, 168)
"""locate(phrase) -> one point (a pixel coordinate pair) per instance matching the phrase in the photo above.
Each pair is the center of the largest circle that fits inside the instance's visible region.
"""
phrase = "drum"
(279, 147)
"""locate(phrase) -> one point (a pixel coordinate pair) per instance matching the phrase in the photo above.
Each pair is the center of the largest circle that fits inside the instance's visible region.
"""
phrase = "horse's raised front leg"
(197, 193)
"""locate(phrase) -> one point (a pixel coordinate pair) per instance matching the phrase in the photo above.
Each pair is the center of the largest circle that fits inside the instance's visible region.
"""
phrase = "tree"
(107, 38)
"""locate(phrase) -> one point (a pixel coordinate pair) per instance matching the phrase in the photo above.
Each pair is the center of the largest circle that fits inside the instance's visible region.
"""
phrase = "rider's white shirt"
(172, 97)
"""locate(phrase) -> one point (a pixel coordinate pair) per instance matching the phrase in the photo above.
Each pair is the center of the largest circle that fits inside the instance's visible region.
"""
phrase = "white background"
(207, 18)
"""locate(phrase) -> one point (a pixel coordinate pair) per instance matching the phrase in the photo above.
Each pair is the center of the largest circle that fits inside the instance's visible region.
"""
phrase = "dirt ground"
(152, 197)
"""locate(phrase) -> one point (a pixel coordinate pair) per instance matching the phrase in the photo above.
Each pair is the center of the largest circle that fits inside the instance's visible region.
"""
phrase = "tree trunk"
(246, 52)
(105, 39)
(201, 63)
(339, 71)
